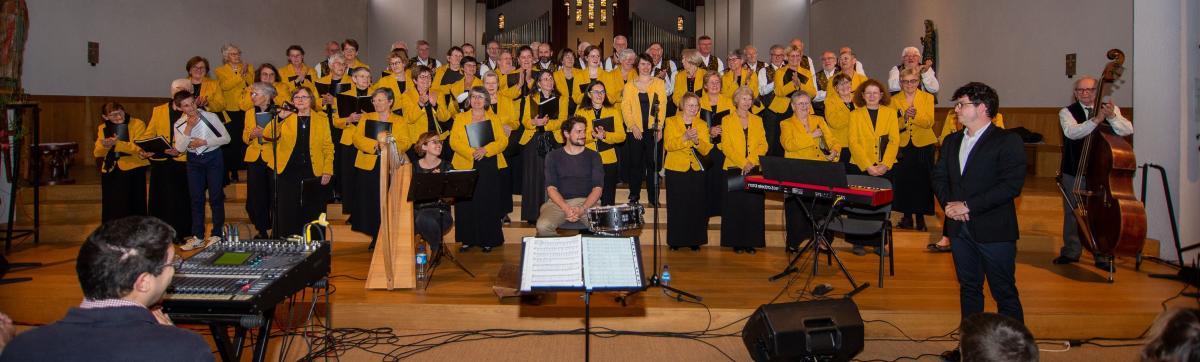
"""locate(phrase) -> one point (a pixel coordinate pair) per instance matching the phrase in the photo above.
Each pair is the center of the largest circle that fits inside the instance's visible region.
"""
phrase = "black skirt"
(533, 180)
(742, 217)
(366, 201)
(235, 152)
(259, 205)
(123, 193)
(294, 212)
(343, 161)
(478, 219)
(637, 166)
(687, 216)
(914, 181)
(714, 182)
(168, 198)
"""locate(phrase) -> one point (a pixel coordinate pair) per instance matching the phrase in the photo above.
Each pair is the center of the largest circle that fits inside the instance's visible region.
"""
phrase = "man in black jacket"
(980, 172)
(124, 267)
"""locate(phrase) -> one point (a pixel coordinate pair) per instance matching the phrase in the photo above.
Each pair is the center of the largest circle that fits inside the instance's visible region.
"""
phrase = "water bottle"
(421, 259)
(666, 275)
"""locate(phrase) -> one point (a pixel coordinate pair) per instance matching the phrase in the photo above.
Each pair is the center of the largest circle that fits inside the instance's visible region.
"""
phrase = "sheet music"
(611, 263)
(552, 263)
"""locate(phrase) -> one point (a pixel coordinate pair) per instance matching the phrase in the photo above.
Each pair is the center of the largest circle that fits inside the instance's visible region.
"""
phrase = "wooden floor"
(1072, 301)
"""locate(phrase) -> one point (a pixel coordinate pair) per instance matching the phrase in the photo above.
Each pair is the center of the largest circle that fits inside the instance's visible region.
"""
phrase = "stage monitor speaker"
(820, 330)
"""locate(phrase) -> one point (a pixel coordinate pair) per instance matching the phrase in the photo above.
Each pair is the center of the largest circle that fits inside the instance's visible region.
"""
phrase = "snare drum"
(614, 218)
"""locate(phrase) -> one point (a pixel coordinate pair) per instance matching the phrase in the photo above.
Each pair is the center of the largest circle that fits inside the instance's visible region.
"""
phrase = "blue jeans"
(206, 172)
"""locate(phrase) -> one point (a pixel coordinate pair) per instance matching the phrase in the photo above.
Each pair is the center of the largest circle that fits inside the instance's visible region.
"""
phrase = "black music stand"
(605, 264)
(817, 173)
(435, 186)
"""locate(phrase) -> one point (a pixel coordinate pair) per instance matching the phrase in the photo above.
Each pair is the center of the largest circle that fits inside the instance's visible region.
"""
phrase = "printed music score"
(581, 263)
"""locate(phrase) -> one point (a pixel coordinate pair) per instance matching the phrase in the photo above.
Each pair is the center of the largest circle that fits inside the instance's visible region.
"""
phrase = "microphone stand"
(655, 280)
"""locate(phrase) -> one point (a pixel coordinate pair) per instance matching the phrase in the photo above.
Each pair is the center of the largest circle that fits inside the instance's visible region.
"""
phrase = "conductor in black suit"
(980, 172)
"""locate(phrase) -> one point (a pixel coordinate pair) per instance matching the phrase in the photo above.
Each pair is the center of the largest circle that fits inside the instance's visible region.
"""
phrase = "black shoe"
(859, 250)
(906, 223)
(505, 220)
(751, 251)
(673, 248)
(793, 249)
(371, 247)
(486, 249)
(921, 223)
(952, 355)
(694, 248)
(1062, 260)
(464, 248)
(262, 235)
(737, 250)
(1104, 265)
(633, 199)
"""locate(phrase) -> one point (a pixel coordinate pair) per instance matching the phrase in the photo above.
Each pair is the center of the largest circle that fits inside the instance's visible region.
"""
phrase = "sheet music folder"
(581, 263)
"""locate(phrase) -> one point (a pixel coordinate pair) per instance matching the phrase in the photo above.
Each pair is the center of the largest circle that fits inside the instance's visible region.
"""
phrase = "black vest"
(1073, 149)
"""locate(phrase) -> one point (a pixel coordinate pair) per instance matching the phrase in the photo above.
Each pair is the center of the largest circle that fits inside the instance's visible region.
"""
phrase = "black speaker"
(820, 330)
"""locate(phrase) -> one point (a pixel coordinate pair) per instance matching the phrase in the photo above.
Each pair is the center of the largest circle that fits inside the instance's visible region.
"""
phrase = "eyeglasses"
(909, 81)
(962, 104)
(1085, 90)
(175, 262)
(597, 92)
(301, 98)
(435, 141)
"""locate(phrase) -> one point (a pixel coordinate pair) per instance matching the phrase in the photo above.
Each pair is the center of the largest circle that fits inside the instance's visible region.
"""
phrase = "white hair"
(180, 84)
(626, 54)
(907, 50)
(225, 49)
(264, 88)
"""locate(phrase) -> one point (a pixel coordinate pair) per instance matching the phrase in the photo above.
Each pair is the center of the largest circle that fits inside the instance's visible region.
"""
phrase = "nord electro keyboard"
(857, 195)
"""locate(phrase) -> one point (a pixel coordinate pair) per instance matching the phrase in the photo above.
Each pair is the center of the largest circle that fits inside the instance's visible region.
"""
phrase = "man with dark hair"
(990, 337)
(704, 45)
(977, 178)
(1176, 336)
(124, 268)
(574, 179)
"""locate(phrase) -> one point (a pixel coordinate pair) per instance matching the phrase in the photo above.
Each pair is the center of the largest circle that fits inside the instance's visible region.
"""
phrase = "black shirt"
(574, 175)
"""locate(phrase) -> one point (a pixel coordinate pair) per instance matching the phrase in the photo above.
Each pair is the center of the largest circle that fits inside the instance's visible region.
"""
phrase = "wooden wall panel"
(75, 118)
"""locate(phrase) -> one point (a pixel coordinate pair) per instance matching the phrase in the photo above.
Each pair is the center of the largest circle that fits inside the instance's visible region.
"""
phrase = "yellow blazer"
(681, 81)
(730, 84)
(232, 86)
(368, 155)
(416, 120)
(253, 146)
(857, 79)
(742, 145)
(571, 92)
(356, 63)
(459, 88)
(438, 75)
(864, 139)
(585, 77)
(631, 107)
(210, 89)
(319, 103)
(609, 154)
(320, 145)
(552, 125)
(837, 117)
(510, 92)
(160, 125)
(132, 153)
(919, 130)
(784, 88)
(390, 82)
(344, 123)
(286, 72)
(951, 125)
(463, 153)
(682, 153)
(723, 104)
(798, 141)
(614, 84)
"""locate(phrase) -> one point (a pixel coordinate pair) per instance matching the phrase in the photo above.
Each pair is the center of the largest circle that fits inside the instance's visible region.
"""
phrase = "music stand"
(435, 186)
(585, 264)
(817, 173)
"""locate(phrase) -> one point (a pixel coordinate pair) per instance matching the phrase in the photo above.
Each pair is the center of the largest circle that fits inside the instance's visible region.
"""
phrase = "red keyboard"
(857, 195)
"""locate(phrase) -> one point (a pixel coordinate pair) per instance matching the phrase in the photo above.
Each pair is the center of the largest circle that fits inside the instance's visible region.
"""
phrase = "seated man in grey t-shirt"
(574, 178)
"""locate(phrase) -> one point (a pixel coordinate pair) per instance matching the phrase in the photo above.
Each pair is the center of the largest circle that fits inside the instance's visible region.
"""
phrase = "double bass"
(1112, 222)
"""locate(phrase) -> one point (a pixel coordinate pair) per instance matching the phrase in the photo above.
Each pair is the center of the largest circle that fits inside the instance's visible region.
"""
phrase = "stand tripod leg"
(791, 267)
(446, 252)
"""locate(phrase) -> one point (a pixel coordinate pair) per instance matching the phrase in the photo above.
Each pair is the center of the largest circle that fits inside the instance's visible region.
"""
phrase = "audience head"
(337, 64)
(871, 94)
(691, 104)
(597, 96)
(399, 45)
(423, 49)
(423, 75)
(655, 50)
(302, 98)
(743, 98)
(910, 78)
(620, 42)
(566, 58)
(645, 64)
(454, 56)
(704, 44)
(113, 112)
(970, 97)
(231, 54)
(470, 66)
(428, 144)
(525, 57)
(829, 60)
(778, 54)
(383, 98)
(491, 81)
(990, 337)
(397, 62)
(712, 83)
(128, 258)
(480, 98)
(911, 57)
(468, 49)
(266, 72)
(592, 56)
(627, 57)
(544, 53)
(801, 102)
(1085, 90)
(332, 47)
(185, 102)
(750, 54)
(261, 93)
(197, 67)
(180, 85)
(295, 55)
(842, 83)
(361, 77)
(1176, 337)
(574, 130)
(493, 50)
(735, 60)
(797, 43)
(795, 56)
(692, 60)
(350, 50)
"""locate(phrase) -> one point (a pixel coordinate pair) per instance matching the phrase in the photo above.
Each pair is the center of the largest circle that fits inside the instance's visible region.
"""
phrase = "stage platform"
(1071, 301)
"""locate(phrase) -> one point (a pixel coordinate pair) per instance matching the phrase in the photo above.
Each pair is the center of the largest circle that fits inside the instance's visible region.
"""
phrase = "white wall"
(721, 20)
(1016, 46)
(1165, 96)
(457, 22)
(768, 22)
(145, 43)
(389, 21)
